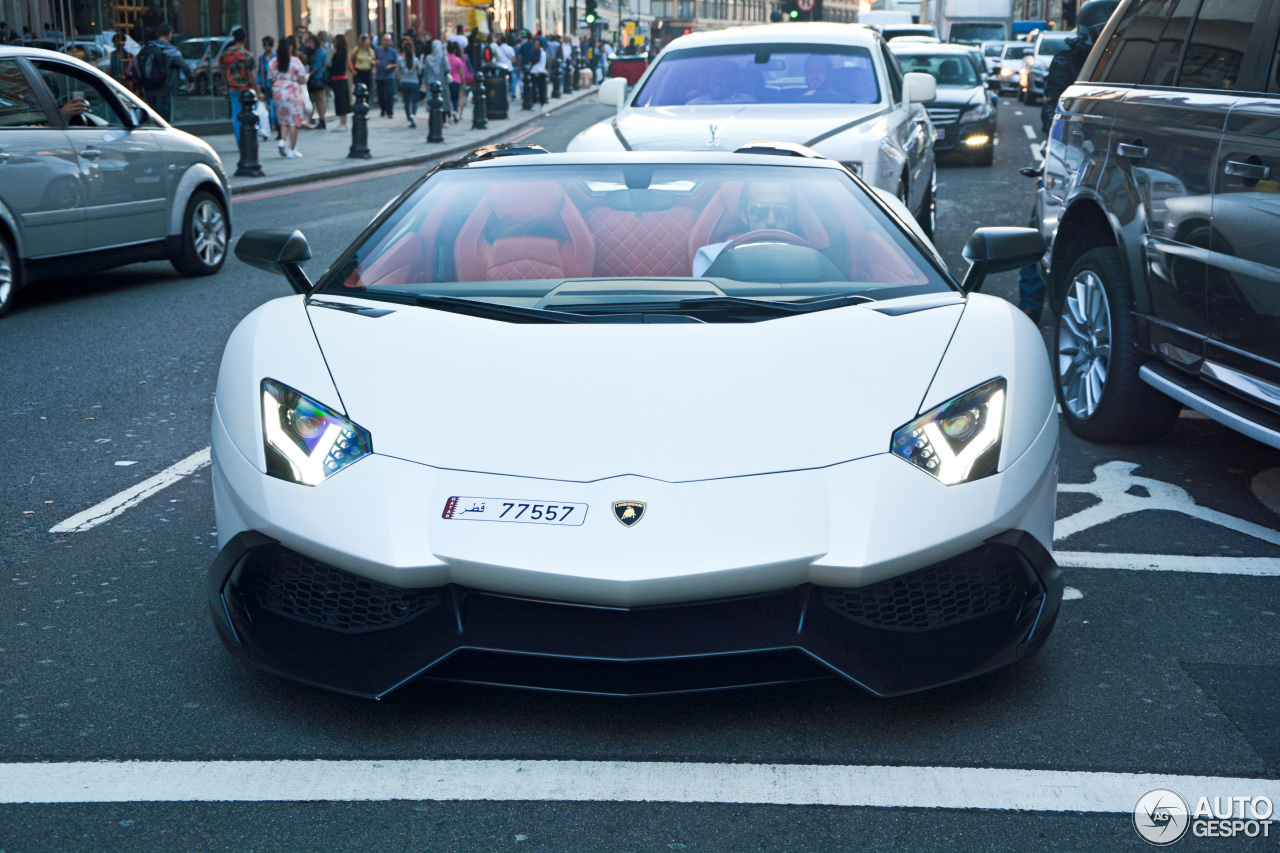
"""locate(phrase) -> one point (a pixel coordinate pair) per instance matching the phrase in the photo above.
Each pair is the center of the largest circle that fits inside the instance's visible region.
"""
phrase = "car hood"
(727, 128)
(675, 402)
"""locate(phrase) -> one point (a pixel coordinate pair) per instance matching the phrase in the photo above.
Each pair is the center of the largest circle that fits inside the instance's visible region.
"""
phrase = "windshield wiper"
(488, 310)
(720, 303)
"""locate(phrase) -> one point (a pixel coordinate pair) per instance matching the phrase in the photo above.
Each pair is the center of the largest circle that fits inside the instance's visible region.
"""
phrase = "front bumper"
(956, 134)
(959, 618)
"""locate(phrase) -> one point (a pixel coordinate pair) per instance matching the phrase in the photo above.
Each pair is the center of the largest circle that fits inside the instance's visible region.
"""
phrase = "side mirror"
(992, 250)
(138, 116)
(919, 88)
(279, 251)
(613, 92)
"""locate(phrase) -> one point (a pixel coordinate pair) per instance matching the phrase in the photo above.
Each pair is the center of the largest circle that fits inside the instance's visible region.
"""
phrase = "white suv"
(834, 88)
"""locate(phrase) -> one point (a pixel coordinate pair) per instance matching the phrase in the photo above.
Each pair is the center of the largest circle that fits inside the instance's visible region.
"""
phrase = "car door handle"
(91, 153)
(1248, 171)
(1134, 151)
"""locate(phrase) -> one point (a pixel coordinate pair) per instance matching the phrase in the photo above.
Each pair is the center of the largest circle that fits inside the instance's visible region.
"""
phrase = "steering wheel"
(765, 235)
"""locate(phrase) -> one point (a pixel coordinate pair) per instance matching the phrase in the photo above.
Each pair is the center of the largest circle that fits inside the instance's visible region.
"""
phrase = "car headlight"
(978, 113)
(1006, 72)
(958, 441)
(305, 441)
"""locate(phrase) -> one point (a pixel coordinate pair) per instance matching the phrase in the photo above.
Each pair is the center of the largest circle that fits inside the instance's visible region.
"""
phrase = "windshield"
(1051, 47)
(591, 238)
(992, 50)
(947, 68)
(976, 33)
(762, 74)
(1016, 52)
(913, 30)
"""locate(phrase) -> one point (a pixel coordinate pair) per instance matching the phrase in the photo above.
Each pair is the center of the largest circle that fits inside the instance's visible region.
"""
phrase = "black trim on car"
(950, 621)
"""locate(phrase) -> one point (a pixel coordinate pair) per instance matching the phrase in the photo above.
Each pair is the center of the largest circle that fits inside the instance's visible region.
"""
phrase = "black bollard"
(526, 97)
(577, 66)
(553, 68)
(435, 114)
(360, 125)
(480, 102)
(248, 167)
(571, 74)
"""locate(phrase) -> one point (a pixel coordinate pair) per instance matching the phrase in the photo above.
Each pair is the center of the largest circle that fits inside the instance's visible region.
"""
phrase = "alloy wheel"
(209, 233)
(6, 275)
(1084, 344)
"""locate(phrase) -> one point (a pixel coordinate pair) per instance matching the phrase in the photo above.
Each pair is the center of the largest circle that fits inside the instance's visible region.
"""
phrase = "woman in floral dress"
(288, 79)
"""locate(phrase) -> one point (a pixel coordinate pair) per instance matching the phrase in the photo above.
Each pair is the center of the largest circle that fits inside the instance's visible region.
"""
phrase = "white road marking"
(1029, 131)
(1265, 486)
(1070, 593)
(1258, 567)
(1035, 152)
(1112, 482)
(601, 781)
(131, 497)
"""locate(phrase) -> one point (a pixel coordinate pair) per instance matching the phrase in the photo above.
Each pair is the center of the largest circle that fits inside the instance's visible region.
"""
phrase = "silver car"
(91, 178)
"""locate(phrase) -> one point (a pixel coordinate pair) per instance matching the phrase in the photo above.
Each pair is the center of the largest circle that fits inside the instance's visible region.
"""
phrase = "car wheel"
(10, 268)
(205, 236)
(928, 217)
(1097, 357)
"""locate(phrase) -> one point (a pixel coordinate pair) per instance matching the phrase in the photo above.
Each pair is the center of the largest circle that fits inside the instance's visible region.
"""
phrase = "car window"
(1273, 78)
(991, 50)
(1215, 50)
(68, 85)
(192, 50)
(556, 235)
(948, 69)
(1128, 52)
(19, 105)
(895, 74)
(1163, 68)
(1051, 47)
(1017, 52)
(762, 74)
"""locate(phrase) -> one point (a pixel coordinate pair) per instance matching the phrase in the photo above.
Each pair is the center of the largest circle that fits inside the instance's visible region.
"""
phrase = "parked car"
(832, 87)
(963, 119)
(201, 53)
(110, 186)
(1009, 66)
(1159, 199)
(1035, 65)
(783, 444)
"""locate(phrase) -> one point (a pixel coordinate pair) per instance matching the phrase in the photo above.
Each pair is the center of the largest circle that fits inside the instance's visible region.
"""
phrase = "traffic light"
(789, 10)
(590, 16)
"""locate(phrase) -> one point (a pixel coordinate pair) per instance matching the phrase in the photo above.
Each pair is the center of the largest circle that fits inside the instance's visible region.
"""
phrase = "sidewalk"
(391, 141)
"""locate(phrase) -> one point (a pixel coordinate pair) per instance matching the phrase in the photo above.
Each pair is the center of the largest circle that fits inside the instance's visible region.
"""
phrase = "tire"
(1096, 358)
(206, 236)
(928, 217)
(10, 274)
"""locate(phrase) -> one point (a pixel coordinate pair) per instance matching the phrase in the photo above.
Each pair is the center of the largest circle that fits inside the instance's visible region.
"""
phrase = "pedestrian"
(412, 71)
(240, 74)
(362, 62)
(5, 35)
(318, 76)
(119, 57)
(505, 56)
(1091, 19)
(538, 74)
(459, 38)
(436, 70)
(288, 77)
(460, 78)
(162, 71)
(265, 60)
(386, 61)
(340, 81)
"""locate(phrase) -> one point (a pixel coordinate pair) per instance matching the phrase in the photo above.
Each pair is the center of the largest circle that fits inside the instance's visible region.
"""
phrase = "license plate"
(519, 510)
(939, 133)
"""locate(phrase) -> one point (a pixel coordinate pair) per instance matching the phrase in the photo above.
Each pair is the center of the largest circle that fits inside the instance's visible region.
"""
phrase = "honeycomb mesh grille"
(298, 587)
(988, 580)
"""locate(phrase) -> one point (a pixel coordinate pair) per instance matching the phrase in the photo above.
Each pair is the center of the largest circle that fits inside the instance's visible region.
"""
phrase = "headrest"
(525, 202)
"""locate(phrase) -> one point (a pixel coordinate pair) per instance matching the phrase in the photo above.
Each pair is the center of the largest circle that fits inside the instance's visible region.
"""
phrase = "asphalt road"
(106, 651)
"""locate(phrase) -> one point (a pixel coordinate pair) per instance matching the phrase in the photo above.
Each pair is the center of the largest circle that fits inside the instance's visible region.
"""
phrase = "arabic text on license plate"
(521, 510)
(939, 133)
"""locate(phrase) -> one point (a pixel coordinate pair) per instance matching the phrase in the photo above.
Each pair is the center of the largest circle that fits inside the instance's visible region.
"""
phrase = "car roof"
(656, 158)
(37, 53)
(927, 48)
(798, 32)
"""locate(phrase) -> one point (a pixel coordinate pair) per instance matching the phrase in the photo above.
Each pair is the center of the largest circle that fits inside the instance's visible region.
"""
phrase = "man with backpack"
(161, 70)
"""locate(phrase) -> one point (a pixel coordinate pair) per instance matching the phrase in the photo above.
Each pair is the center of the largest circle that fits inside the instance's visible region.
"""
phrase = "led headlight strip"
(307, 442)
(958, 441)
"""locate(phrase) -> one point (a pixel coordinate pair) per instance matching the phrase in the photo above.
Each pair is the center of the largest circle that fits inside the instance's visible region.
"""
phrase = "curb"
(357, 167)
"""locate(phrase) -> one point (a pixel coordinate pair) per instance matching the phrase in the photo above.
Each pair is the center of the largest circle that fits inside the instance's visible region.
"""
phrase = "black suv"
(1161, 202)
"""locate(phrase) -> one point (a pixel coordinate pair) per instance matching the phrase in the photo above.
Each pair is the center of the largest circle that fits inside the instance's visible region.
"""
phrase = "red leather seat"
(524, 231)
(641, 245)
(722, 220)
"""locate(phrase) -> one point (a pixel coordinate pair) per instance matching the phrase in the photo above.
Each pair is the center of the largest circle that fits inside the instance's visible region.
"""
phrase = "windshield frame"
(926, 254)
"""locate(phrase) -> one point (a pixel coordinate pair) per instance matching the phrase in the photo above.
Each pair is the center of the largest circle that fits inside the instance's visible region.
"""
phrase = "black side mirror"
(138, 116)
(279, 251)
(992, 250)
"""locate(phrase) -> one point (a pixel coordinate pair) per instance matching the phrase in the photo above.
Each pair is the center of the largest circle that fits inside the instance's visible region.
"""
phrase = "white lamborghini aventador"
(633, 423)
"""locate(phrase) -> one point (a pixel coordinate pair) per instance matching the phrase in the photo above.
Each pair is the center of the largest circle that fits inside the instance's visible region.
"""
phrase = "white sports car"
(633, 423)
(832, 87)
